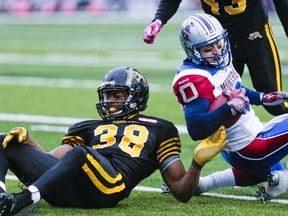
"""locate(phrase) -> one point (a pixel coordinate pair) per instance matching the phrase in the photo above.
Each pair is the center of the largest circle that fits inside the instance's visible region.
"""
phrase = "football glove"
(210, 147)
(237, 106)
(274, 98)
(151, 31)
(238, 93)
(238, 102)
(18, 132)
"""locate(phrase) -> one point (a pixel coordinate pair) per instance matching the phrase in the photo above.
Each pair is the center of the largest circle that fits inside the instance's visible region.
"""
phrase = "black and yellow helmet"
(132, 83)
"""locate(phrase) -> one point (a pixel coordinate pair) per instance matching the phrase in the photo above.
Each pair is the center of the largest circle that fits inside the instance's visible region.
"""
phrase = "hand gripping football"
(224, 98)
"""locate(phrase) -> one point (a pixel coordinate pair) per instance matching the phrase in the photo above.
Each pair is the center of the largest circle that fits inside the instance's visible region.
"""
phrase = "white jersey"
(192, 82)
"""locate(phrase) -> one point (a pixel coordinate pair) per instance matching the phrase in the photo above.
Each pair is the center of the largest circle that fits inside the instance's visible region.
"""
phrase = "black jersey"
(135, 147)
(240, 18)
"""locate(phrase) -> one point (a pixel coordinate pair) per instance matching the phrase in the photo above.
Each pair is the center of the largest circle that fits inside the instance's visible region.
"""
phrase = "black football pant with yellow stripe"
(82, 178)
(259, 52)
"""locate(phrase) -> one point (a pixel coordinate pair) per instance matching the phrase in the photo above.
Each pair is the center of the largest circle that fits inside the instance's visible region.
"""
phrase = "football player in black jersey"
(99, 162)
(251, 38)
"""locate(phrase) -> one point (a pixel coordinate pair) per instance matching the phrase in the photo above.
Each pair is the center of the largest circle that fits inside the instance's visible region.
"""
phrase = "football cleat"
(262, 194)
(277, 183)
(273, 179)
(165, 189)
(11, 204)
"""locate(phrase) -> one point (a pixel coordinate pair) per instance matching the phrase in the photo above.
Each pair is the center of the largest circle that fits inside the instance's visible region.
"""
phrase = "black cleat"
(11, 204)
(6, 204)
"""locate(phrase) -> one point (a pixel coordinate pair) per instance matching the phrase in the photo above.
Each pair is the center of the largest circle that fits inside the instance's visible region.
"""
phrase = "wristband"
(196, 165)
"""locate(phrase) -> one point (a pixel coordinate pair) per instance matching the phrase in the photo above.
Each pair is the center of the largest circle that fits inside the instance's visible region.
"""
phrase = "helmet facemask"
(132, 84)
(115, 109)
(213, 61)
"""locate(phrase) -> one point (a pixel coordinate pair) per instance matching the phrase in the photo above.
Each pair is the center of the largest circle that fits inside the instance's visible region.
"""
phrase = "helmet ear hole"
(136, 89)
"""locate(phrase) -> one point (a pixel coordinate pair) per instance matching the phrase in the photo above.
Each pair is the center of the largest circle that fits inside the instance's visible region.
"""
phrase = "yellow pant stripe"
(105, 175)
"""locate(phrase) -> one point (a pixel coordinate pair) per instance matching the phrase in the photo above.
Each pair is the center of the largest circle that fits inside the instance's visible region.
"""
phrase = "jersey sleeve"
(170, 147)
(166, 9)
(76, 134)
(189, 87)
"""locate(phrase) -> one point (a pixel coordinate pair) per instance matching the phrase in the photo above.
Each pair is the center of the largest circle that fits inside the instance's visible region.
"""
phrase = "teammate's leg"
(263, 63)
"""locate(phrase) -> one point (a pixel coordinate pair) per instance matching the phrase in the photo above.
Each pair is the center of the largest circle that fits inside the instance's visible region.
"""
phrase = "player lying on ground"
(101, 161)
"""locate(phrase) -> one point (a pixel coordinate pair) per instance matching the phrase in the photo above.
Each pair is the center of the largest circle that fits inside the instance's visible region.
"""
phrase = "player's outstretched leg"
(277, 183)
(10, 204)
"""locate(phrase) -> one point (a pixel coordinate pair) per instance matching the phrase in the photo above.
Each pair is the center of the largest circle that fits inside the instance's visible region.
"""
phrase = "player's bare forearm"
(186, 187)
(182, 184)
(60, 151)
(31, 142)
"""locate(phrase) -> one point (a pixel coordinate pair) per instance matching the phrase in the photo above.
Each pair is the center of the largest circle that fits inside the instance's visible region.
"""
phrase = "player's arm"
(184, 184)
(166, 9)
(281, 7)
(267, 99)
(31, 142)
(68, 142)
(196, 113)
(60, 151)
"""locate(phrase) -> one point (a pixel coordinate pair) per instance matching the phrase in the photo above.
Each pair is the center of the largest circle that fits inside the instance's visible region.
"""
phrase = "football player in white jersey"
(254, 150)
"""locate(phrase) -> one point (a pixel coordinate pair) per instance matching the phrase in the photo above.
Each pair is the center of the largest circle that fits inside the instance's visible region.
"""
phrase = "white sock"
(35, 193)
(2, 185)
(215, 180)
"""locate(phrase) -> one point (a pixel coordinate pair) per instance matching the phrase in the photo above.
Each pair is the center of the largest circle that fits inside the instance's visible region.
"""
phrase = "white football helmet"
(202, 30)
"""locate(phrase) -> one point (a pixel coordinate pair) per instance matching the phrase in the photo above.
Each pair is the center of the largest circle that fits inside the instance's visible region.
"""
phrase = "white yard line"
(67, 83)
(158, 190)
(58, 120)
(151, 189)
(57, 59)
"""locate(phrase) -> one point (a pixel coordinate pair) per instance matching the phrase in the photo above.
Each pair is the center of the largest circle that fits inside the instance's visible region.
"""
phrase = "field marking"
(151, 189)
(54, 120)
(67, 83)
(158, 190)
(56, 59)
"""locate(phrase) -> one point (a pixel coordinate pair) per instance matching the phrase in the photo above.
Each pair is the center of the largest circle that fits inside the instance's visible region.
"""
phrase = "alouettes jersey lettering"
(192, 82)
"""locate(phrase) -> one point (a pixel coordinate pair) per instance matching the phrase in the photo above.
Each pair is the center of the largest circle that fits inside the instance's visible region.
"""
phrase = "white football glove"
(238, 103)
(274, 98)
